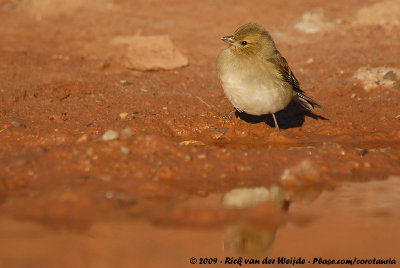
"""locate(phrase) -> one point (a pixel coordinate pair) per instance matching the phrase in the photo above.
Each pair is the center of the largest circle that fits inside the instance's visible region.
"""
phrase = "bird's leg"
(229, 116)
(276, 123)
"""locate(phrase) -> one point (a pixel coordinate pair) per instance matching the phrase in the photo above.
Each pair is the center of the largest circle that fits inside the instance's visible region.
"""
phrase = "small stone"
(314, 21)
(123, 116)
(126, 132)
(109, 195)
(83, 138)
(390, 76)
(90, 151)
(243, 168)
(106, 177)
(110, 135)
(192, 142)
(125, 150)
(363, 152)
(202, 156)
(241, 198)
(59, 57)
(17, 123)
(305, 170)
(147, 53)
(187, 157)
(125, 82)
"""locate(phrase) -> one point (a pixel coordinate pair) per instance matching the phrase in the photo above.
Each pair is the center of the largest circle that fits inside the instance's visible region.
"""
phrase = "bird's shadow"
(291, 117)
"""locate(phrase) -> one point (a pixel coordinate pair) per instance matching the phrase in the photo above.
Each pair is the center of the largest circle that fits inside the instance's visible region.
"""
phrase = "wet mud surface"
(179, 179)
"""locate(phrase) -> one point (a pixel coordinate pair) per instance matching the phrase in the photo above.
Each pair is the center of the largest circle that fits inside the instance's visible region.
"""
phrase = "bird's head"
(251, 39)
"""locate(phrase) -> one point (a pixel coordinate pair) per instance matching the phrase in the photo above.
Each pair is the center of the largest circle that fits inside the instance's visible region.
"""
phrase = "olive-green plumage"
(254, 75)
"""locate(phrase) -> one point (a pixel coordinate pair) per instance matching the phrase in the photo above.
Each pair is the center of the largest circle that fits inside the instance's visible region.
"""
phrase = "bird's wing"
(284, 71)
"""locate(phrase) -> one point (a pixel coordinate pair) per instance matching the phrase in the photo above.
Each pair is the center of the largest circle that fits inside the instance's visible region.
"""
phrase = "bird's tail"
(307, 102)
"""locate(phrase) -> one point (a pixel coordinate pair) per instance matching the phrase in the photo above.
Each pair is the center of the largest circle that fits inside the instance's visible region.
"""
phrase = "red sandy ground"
(60, 80)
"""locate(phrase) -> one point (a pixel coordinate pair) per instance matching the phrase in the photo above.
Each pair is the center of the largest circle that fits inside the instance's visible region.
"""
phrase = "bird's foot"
(229, 115)
(276, 124)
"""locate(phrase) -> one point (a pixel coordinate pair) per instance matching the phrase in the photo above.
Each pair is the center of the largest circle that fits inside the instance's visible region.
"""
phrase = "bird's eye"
(244, 43)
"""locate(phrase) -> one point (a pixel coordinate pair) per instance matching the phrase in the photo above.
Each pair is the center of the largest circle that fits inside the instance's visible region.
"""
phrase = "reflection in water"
(356, 220)
(250, 238)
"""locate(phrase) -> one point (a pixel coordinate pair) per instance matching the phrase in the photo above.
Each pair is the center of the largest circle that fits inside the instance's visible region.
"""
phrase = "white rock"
(250, 197)
(305, 169)
(110, 135)
(126, 132)
(314, 21)
(380, 76)
(125, 150)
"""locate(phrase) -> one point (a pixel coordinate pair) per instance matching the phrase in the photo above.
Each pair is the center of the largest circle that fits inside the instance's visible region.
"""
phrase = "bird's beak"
(228, 39)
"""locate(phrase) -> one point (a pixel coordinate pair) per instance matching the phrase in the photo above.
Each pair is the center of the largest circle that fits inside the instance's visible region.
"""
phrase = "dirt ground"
(329, 180)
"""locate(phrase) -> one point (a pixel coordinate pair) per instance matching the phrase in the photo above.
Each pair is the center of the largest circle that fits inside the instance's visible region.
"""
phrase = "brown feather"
(287, 76)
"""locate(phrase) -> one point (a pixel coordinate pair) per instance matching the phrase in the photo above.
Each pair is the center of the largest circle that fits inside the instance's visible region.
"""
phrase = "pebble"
(314, 21)
(126, 132)
(125, 82)
(123, 116)
(90, 151)
(367, 164)
(125, 150)
(244, 168)
(17, 123)
(240, 198)
(106, 177)
(109, 195)
(305, 169)
(202, 156)
(110, 135)
(363, 152)
(83, 138)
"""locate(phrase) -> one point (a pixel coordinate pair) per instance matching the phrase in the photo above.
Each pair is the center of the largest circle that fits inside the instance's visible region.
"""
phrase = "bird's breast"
(251, 86)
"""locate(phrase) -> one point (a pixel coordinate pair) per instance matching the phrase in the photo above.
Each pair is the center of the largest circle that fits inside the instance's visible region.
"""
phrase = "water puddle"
(356, 220)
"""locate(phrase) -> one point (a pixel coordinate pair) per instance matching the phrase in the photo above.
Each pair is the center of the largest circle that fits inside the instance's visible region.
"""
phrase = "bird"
(254, 75)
